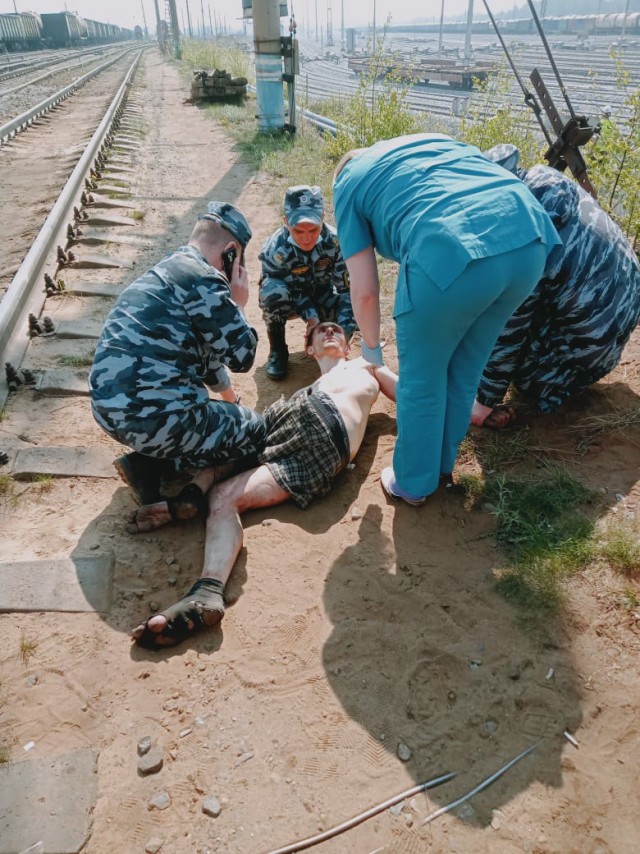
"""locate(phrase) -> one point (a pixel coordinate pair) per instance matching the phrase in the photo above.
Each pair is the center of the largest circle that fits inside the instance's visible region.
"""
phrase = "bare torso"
(354, 389)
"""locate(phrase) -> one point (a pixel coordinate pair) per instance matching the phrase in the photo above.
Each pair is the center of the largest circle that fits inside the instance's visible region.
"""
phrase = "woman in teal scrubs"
(472, 243)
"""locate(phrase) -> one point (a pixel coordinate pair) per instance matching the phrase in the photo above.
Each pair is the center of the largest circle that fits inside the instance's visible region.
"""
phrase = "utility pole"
(374, 27)
(342, 24)
(441, 29)
(144, 19)
(189, 19)
(202, 13)
(624, 21)
(210, 24)
(467, 38)
(158, 27)
(329, 24)
(269, 88)
(175, 29)
(316, 20)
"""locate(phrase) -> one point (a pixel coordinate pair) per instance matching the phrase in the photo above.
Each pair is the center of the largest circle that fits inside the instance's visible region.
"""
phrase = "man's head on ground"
(304, 215)
(220, 227)
(326, 339)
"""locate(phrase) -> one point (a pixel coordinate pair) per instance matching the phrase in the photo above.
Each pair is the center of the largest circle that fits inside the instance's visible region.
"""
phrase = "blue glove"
(372, 354)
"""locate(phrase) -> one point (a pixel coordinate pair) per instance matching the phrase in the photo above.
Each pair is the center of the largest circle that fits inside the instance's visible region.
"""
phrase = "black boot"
(279, 353)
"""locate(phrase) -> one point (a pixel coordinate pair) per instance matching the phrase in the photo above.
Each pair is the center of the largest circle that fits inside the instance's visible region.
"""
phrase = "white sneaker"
(390, 486)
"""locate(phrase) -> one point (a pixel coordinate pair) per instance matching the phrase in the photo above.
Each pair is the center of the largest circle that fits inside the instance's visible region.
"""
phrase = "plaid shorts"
(307, 445)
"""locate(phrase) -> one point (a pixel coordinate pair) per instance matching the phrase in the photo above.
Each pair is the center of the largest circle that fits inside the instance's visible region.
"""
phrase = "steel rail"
(22, 295)
(57, 70)
(26, 67)
(25, 119)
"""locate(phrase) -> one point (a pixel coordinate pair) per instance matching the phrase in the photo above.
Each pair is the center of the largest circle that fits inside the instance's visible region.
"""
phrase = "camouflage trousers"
(199, 436)
(278, 305)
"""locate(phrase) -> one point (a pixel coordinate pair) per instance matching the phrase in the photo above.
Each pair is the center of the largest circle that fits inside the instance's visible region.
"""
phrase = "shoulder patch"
(300, 271)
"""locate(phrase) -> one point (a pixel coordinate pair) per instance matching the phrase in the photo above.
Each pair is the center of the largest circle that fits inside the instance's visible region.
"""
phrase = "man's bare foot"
(202, 607)
(495, 418)
(149, 517)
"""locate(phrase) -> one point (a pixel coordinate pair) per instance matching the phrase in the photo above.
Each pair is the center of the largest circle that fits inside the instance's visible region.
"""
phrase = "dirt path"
(357, 625)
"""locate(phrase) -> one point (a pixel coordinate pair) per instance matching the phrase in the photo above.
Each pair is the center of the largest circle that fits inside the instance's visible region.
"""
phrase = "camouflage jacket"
(308, 275)
(170, 331)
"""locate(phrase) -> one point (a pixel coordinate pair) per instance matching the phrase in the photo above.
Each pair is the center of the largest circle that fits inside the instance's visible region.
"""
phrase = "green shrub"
(225, 57)
(379, 109)
(503, 125)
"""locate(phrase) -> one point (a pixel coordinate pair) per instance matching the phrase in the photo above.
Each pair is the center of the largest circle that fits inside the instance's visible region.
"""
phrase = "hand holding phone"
(228, 257)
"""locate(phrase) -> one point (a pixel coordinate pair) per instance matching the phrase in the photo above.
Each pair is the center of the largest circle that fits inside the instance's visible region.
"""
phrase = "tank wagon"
(613, 24)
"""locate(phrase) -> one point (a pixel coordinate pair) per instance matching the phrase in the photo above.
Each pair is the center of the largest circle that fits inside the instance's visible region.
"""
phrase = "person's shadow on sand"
(424, 653)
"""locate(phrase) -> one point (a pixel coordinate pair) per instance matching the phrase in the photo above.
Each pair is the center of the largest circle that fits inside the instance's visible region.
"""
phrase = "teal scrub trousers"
(444, 340)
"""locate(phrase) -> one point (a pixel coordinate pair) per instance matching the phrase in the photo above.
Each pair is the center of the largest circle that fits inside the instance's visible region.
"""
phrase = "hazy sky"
(127, 13)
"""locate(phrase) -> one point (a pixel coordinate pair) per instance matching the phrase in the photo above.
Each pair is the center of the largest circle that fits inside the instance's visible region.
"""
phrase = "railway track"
(30, 64)
(21, 97)
(44, 174)
(34, 165)
(590, 78)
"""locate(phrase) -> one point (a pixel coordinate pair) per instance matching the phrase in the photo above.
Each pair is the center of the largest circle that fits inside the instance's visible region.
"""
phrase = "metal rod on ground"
(363, 816)
(484, 785)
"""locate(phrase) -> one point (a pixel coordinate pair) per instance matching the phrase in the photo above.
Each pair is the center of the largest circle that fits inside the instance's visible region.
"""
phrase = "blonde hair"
(346, 158)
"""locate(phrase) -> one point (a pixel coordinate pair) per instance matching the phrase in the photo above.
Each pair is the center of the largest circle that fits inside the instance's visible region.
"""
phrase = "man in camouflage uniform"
(168, 337)
(571, 331)
(303, 274)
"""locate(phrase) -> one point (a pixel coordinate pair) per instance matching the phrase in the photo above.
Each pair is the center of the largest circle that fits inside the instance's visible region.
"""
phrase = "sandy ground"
(355, 626)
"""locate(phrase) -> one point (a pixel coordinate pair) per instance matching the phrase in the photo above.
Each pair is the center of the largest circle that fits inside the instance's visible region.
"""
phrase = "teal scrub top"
(436, 202)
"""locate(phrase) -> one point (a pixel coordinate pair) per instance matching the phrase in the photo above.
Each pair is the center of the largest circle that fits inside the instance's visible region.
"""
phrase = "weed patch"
(620, 547)
(76, 361)
(543, 532)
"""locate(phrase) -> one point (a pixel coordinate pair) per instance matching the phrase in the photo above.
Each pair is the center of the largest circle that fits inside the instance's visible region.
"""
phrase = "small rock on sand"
(144, 745)
(151, 762)
(159, 801)
(211, 806)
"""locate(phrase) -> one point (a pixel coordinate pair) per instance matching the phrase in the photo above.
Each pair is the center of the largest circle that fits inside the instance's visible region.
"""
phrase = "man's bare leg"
(223, 541)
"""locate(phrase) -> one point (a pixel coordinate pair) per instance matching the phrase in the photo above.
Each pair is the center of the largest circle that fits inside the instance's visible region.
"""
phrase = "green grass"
(76, 361)
(620, 547)
(28, 647)
(630, 597)
(497, 450)
(200, 55)
(43, 482)
(6, 484)
(544, 533)
(5, 754)
(137, 215)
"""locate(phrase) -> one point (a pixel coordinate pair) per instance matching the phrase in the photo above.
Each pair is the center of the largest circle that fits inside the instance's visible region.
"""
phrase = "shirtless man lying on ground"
(310, 439)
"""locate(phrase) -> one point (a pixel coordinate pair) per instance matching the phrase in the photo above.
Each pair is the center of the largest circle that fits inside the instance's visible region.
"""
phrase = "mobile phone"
(228, 257)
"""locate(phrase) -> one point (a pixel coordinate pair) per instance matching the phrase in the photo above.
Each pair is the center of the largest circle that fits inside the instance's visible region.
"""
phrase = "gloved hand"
(372, 354)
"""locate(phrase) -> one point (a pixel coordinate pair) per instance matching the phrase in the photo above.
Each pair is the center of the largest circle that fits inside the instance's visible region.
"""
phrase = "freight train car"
(60, 29)
(22, 31)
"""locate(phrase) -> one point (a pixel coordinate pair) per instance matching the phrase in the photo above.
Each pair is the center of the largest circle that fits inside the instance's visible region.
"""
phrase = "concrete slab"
(105, 202)
(117, 170)
(83, 583)
(126, 146)
(98, 262)
(64, 381)
(48, 800)
(78, 329)
(63, 462)
(97, 217)
(95, 289)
